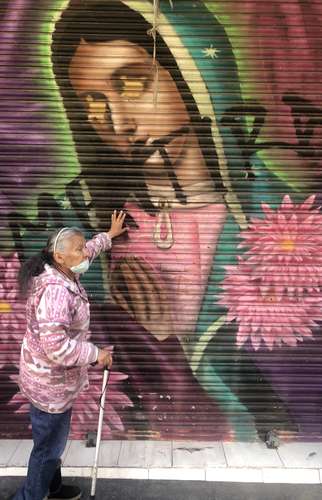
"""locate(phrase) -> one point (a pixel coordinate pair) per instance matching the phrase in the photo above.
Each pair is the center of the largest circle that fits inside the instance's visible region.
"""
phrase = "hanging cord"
(153, 32)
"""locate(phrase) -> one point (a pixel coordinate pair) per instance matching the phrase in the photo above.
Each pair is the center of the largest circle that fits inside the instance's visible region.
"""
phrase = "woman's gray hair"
(35, 265)
(57, 239)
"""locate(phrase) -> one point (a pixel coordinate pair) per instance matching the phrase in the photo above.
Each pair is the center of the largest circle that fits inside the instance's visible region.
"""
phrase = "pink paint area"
(274, 292)
(175, 278)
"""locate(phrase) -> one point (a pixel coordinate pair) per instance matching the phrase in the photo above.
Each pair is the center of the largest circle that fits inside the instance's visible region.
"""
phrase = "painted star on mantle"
(211, 52)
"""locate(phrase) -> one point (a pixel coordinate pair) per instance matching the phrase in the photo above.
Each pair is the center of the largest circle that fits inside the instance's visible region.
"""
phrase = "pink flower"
(285, 246)
(265, 314)
(12, 310)
(274, 292)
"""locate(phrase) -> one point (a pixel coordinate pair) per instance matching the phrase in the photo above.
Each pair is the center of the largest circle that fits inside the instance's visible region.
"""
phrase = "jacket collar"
(53, 276)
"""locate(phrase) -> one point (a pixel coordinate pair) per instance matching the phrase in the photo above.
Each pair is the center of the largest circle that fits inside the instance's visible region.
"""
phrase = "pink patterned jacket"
(54, 352)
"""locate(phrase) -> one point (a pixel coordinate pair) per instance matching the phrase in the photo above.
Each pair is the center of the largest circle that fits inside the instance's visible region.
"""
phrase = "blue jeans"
(49, 432)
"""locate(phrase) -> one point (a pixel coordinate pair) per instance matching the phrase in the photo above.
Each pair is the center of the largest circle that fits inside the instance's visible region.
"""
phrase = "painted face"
(115, 82)
(73, 253)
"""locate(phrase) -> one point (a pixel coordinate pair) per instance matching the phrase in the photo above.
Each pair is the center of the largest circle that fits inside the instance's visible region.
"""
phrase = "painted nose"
(123, 120)
(124, 126)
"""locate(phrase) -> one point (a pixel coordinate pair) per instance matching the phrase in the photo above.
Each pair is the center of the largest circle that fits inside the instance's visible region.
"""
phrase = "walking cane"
(99, 431)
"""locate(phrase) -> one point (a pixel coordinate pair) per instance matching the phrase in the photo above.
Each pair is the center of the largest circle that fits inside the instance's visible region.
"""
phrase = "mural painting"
(212, 300)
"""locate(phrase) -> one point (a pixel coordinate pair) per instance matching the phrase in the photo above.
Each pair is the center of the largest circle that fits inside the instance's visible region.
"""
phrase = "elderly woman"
(55, 353)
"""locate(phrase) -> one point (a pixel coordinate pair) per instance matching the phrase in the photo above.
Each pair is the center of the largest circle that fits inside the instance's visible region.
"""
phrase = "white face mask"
(80, 268)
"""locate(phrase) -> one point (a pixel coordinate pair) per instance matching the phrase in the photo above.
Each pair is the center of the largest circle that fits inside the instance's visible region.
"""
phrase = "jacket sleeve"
(54, 316)
(100, 243)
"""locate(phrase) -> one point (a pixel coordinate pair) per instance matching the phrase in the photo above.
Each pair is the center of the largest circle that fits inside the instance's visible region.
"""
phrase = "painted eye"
(132, 81)
(131, 88)
(97, 108)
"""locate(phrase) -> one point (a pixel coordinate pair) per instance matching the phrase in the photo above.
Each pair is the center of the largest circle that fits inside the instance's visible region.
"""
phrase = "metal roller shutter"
(201, 119)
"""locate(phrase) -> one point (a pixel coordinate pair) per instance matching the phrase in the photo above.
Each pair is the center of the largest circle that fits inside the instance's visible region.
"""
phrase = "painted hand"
(136, 288)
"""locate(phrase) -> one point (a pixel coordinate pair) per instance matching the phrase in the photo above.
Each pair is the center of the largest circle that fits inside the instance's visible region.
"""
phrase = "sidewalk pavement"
(292, 463)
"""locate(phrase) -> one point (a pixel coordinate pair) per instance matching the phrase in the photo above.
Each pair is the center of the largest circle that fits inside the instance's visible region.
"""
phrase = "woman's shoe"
(66, 492)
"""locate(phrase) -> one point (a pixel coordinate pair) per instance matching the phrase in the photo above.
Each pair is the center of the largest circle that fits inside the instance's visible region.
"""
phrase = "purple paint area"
(170, 401)
(296, 375)
(28, 118)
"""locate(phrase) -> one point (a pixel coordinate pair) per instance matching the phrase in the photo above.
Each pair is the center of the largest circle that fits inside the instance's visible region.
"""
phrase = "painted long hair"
(98, 21)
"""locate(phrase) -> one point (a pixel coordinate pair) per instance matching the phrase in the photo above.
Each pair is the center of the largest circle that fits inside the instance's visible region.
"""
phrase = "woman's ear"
(58, 258)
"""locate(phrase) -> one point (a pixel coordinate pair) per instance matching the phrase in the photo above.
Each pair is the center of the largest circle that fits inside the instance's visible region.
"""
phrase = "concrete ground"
(291, 463)
(155, 470)
(127, 489)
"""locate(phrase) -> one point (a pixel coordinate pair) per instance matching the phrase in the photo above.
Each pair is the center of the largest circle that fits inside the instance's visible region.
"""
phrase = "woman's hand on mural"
(136, 288)
(117, 221)
(104, 358)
